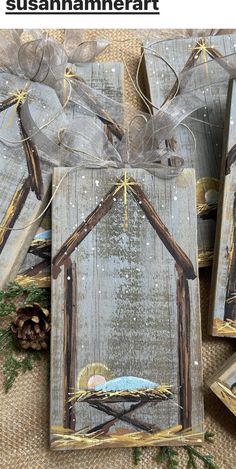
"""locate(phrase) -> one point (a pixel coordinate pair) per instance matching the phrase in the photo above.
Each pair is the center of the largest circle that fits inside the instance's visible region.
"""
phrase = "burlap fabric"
(24, 411)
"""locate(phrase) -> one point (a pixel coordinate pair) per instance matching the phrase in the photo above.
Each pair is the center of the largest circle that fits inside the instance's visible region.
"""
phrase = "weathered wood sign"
(107, 78)
(36, 267)
(223, 287)
(223, 384)
(24, 168)
(161, 59)
(125, 341)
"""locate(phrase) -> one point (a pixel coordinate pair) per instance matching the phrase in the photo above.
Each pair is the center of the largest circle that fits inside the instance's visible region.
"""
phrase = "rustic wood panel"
(223, 384)
(36, 267)
(137, 301)
(24, 171)
(160, 83)
(107, 78)
(223, 288)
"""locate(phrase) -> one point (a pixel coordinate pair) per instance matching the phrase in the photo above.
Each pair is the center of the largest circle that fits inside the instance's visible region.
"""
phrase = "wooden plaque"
(223, 287)
(223, 384)
(107, 78)
(125, 340)
(160, 84)
(36, 267)
(24, 170)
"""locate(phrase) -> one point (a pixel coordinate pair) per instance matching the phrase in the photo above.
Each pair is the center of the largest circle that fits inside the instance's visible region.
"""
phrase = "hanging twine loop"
(70, 73)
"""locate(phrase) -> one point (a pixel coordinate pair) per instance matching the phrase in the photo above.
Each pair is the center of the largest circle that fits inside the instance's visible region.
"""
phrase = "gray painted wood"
(44, 105)
(223, 383)
(207, 158)
(104, 77)
(221, 307)
(126, 307)
(34, 268)
(107, 78)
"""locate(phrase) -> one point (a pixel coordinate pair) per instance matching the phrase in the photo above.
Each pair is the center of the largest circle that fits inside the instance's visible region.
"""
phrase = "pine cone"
(31, 327)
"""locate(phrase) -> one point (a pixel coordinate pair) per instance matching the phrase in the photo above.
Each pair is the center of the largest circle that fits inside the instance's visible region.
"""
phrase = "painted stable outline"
(185, 272)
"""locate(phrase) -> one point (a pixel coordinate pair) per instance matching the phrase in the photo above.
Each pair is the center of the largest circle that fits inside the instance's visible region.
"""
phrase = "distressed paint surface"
(207, 158)
(107, 78)
(127, 292)
(222, 307)
(19, 209)
(223, 384)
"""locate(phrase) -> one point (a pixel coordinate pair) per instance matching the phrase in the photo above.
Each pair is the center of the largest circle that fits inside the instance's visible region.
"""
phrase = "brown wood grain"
(7, 103)
(32, 271)
(184, 342)
(230, 297)
(178, 254)
(230, 160)
(188, 65)
(83, 230)
(126, 305)
(33, 160)
(94, 104)
(70, 313)
(13, 211)
(223, 286)
(124, 415)
(161, 86)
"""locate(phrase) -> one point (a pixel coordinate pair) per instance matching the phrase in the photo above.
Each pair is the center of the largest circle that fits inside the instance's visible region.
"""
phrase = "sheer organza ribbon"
(141, 142)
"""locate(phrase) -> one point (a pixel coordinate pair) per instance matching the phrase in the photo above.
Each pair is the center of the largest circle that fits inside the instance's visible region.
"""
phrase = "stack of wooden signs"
(121, 246)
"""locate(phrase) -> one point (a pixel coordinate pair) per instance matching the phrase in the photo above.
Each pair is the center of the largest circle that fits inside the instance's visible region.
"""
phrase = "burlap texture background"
(24, 411)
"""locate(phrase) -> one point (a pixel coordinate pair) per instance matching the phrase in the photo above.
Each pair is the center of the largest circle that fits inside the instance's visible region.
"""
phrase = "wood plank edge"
(22, 249)
(215, 265)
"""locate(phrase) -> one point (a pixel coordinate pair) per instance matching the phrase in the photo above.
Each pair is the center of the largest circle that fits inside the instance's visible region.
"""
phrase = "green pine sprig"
(15, 295)
(15, 361)
(194, 455)
(137, 455)
(169, 456)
